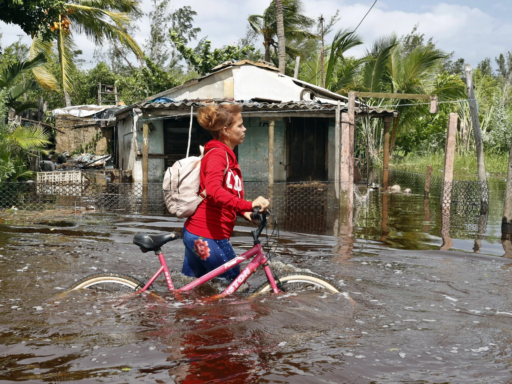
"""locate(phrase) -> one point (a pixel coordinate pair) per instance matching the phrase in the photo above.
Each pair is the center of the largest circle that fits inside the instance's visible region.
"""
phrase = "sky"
(471, 29)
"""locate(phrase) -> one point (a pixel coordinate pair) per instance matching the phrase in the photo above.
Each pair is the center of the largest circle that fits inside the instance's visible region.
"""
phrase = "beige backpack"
(181, 185)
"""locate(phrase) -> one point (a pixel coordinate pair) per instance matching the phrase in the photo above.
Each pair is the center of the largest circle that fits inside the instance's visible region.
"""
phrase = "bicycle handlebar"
(257, 215)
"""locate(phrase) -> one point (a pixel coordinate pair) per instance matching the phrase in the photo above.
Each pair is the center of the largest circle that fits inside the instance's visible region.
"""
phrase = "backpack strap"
(202, 194)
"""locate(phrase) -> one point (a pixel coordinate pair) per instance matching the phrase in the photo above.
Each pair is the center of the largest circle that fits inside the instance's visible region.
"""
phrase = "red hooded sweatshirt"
(215, 216)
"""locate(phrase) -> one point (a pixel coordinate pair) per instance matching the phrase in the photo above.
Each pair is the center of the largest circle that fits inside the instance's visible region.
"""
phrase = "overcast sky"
(472, 29)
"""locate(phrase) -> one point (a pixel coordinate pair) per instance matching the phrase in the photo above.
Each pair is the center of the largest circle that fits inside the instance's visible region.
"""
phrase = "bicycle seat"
(152, 242)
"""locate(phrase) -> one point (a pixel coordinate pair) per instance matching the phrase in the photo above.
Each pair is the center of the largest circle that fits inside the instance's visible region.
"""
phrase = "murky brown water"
(421, 315)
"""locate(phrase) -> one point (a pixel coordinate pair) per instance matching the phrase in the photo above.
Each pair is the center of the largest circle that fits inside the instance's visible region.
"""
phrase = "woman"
(206, 233)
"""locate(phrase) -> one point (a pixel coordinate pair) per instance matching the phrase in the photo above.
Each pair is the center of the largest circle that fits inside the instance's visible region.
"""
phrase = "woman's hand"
(247, 216)
(262, 203)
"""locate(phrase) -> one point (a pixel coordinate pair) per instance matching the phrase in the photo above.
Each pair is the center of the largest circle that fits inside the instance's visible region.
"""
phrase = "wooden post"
(473, 107)
(145, 166)
(271, 152)
(345, 155)
(271, 126)
(145, 153)
(385, 161)
(99, 93)
(446, 194)
(428, 179)
(506, 222)
(297, 66)
(352, 126)
(337, 150)
(449, 157)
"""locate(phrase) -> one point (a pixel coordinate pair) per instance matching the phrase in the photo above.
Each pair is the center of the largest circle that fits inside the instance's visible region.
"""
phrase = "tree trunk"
(267, 51)
(67, 98)
(280, 36)
(473, 107)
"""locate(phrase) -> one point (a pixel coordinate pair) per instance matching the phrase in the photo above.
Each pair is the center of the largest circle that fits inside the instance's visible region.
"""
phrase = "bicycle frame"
(259, 259)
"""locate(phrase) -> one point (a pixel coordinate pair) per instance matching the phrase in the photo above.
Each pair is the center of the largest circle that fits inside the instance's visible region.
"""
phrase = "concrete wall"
(156, 146)
(253, 152)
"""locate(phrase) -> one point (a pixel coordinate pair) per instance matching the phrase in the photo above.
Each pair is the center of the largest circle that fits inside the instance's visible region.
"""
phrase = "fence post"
(506, 222)
(385, 161)
(449, 157)
(428, 179)
(446, 193)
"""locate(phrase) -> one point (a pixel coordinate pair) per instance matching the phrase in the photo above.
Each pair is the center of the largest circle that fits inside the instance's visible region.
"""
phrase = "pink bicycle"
(117, 282)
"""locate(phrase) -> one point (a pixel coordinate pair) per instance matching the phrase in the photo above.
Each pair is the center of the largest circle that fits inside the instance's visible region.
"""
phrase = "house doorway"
(307, 149)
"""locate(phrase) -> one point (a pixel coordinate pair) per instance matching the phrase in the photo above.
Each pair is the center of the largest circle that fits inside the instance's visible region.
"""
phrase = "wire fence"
(311, 206)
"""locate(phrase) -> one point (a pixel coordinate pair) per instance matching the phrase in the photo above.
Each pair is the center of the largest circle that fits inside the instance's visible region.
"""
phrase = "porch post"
(145, 164)
(337, 150)
(271, 125)
(385, 162)
(352, 160)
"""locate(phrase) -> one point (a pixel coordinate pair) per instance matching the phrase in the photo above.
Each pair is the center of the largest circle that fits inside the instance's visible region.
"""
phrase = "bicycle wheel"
(300, 282)
(109, 282)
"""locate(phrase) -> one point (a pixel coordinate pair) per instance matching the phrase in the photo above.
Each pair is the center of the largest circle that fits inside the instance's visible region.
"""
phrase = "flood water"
(421, 315)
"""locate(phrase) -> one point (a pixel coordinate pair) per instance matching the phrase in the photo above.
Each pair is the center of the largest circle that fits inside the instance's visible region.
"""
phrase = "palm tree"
(295, 25)
(280, 36)
(99, 20)
(10, 81)
(392, 70)
(340, 70)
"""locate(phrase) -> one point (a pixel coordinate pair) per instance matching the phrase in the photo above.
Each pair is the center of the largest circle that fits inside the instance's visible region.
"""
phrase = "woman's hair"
(215, 117)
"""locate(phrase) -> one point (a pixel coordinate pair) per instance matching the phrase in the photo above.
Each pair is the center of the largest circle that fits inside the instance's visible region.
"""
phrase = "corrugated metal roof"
(262, 106)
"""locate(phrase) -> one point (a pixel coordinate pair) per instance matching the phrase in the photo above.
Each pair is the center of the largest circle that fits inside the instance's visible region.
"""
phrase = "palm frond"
(256, 22)
(19, 89)
(10, 73)
(92, 22)
(342, 42)
(29, 138)
(42, 75)
(375, 70)
(65, 45)
(127, 6)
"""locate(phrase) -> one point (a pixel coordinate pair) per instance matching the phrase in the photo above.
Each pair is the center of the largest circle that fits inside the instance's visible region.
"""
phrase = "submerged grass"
(465, 165)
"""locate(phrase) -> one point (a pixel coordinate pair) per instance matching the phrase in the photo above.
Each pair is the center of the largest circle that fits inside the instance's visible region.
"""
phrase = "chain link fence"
(122, 198)
(461, 195)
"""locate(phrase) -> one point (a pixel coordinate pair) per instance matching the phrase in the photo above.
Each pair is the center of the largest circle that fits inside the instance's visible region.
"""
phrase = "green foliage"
(203, 59)
(464, 164)
(33, 16)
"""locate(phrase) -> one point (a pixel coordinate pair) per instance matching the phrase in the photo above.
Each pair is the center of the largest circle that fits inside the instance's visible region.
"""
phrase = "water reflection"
(398, 220)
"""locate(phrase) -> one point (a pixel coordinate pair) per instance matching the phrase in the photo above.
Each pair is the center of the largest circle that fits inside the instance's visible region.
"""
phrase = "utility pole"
(323, 51)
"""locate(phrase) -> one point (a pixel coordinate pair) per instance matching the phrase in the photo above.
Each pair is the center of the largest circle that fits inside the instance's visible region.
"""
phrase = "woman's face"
(235, 134)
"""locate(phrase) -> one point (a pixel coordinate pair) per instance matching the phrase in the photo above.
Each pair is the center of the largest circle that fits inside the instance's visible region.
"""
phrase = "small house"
(292, 126)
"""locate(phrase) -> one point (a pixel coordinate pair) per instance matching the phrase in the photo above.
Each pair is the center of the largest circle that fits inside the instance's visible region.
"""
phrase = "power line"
(365, 16)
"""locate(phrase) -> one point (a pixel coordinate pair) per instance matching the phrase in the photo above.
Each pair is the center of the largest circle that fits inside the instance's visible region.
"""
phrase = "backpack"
(181, 185)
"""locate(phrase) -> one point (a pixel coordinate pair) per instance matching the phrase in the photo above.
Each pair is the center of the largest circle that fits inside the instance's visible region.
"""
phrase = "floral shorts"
(203, 255)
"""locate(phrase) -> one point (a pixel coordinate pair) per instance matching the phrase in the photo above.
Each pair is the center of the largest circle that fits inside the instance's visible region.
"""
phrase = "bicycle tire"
(303, 279)
(121, 280)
